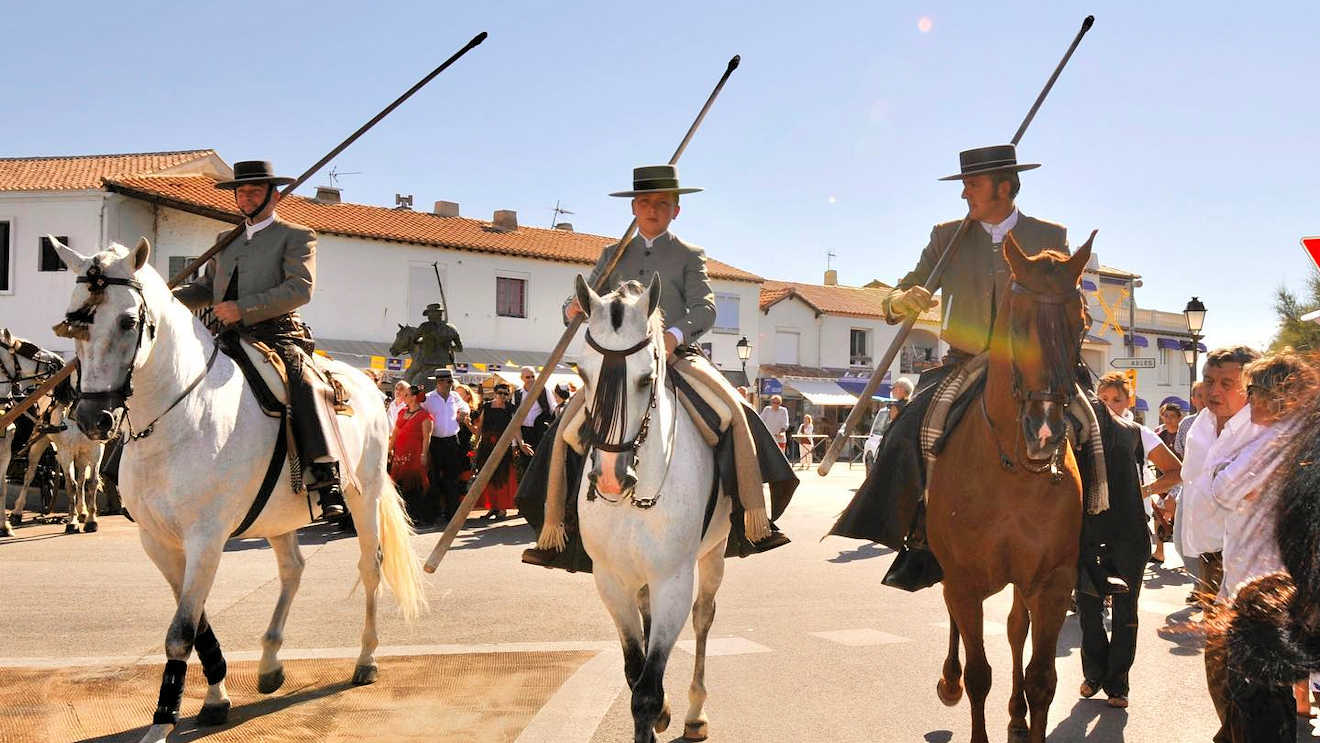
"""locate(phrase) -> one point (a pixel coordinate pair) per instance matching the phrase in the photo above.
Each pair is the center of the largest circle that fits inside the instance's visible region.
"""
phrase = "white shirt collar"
(253, 229)
(651, 240)
(997, 231)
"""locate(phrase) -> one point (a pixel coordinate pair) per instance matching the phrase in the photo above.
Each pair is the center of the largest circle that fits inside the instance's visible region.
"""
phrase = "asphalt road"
(806, 645)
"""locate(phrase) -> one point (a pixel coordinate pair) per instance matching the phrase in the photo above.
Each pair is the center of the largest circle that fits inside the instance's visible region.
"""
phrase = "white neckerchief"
(253, 229)
(997, 231)
(651, 240)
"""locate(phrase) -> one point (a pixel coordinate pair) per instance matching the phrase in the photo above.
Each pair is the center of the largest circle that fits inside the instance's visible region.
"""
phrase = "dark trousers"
(1106, 659)
(289, 338)
(447, 462)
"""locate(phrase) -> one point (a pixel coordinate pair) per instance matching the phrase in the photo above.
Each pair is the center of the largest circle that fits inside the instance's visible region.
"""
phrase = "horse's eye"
(127, 322)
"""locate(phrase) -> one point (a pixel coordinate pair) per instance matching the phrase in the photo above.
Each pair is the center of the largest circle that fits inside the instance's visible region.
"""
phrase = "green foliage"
(1293, 331)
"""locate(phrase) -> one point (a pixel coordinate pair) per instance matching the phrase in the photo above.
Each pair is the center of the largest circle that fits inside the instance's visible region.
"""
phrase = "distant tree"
(1293, 331)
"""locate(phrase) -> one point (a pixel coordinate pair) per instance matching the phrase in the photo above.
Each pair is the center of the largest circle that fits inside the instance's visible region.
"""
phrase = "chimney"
(565, 226)
(506, 220)
(446, 209)
(327, 195)
(831, 277)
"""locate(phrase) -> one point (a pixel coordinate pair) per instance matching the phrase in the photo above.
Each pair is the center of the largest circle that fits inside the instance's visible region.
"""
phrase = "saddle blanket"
(966, 384)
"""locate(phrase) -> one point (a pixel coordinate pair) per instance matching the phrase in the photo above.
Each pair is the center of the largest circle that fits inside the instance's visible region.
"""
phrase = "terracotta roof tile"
(81, 172)
(852, 301)
(198, 195)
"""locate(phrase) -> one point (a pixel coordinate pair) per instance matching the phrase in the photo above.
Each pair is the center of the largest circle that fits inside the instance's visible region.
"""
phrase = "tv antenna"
(554, 220)
(335, 173)
(830, 255)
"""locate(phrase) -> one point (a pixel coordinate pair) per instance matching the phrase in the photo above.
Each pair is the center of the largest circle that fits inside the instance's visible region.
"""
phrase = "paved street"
(806, 644)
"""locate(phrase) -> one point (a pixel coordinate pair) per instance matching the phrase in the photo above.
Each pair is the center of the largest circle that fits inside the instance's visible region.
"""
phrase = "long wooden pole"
(497, 454)
(932, 283)
(45, 387)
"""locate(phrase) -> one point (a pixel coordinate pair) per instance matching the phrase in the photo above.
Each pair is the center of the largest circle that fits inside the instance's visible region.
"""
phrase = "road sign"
(1312, 245)
(1133, 362)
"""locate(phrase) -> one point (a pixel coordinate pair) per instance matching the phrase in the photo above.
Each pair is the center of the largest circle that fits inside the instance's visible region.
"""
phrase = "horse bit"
(634, 446)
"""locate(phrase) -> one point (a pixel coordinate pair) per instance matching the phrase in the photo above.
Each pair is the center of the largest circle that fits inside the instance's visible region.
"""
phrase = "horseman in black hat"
(255, 285)
(687, 304)
(888, 507)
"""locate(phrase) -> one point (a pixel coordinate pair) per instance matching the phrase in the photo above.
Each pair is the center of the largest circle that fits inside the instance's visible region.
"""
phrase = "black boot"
(914, 568)
(326, 485)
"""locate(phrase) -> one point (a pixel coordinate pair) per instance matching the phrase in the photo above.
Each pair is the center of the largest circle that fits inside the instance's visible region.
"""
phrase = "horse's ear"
(1017, 260)
(586, 296)
(141, 253)
(75, 261)
(653, 294)
(1077, 261)
(400, 326)
(5, 338)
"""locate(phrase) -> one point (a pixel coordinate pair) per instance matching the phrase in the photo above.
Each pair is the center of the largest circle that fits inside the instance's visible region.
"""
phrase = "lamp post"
(1195, 314)
(744, 349)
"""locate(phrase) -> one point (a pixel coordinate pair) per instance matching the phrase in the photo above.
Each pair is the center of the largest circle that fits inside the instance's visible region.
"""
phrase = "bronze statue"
(431, 345)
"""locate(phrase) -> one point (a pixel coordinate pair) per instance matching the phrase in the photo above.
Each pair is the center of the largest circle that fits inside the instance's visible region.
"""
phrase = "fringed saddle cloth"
(714, 408)
(958, 390)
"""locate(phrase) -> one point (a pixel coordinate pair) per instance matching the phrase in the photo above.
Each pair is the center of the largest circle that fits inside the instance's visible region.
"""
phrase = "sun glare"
(924, 24)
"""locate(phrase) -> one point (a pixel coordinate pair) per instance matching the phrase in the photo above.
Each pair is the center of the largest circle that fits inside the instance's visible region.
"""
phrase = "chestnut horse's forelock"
(1060, 341)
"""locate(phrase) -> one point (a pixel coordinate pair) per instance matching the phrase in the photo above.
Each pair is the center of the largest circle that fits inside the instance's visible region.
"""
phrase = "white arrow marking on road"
(724, 646)
(574, 711)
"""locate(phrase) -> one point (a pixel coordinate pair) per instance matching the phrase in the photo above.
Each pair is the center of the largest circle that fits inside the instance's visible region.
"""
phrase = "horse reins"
(97, 282)
(618, 358)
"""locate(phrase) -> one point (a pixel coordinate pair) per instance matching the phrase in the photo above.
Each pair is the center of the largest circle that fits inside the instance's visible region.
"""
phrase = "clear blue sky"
(1185, 132)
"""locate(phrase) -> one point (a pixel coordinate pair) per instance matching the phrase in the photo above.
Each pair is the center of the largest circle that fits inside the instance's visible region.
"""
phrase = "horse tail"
(401, 568)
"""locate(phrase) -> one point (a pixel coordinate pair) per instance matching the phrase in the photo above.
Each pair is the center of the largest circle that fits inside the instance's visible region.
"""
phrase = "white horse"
(203, 447)
(644, 535)
(80, 462)
(22, 367)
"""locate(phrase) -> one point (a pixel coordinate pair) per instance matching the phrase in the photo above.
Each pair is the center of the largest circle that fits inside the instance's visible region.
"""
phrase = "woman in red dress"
(409, 458)
(492, 419)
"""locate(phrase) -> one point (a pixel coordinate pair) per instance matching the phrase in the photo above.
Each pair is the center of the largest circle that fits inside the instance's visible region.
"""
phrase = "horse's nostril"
(105, 421)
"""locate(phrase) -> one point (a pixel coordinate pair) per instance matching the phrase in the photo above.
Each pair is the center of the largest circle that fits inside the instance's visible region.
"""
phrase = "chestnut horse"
(1018, 519)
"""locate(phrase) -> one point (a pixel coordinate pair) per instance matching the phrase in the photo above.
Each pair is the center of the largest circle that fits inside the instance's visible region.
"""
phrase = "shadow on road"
(487, 534)
(938, 736)
(1157, 576)
(312, 535)
(1109, 723)
(864, 552)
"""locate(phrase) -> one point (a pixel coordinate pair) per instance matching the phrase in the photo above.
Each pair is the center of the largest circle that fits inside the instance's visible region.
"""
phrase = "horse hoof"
(949, 696)
(662, 722)
(90, 527)
(1018, 731)
(213, 714)
(363, 675)
(71, 528)
(696, 731)
(15, 519)
(4, 529)
(82, 517)
(270, 681)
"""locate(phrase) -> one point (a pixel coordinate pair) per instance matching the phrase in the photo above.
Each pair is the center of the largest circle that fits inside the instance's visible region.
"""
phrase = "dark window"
(180, 262)
(4, 256)
(857, 344)
(510, 297)
(50, 260)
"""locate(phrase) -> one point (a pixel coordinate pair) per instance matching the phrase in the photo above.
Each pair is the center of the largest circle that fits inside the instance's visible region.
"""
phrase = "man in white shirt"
(775, 416)
(448, 411)
(398, 403)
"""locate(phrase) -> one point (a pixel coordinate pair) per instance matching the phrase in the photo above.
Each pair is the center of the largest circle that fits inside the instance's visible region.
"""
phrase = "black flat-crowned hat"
(254, 171)
(989, 160)
(655, 179)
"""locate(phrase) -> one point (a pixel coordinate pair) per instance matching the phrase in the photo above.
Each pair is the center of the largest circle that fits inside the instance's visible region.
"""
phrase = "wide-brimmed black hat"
(254, 171)
(655, 179)
(989, 160)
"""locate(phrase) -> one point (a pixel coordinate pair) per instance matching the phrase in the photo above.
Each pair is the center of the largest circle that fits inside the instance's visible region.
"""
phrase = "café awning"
(820, 391)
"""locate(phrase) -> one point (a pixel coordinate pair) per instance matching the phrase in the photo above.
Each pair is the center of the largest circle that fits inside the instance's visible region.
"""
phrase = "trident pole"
(224, 240)
(497, 454)
(933, 281)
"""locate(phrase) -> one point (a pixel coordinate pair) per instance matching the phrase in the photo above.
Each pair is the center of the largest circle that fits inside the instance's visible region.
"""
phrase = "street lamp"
(744, 352)
(1195, 314)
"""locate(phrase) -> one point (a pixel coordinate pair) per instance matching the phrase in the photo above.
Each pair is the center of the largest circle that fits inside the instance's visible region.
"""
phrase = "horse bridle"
(634, 446)
(81, 318)
(1062, 398)
(44, 366)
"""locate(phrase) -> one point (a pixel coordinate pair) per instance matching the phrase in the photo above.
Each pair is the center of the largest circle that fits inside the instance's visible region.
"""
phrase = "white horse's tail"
(401, 568)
